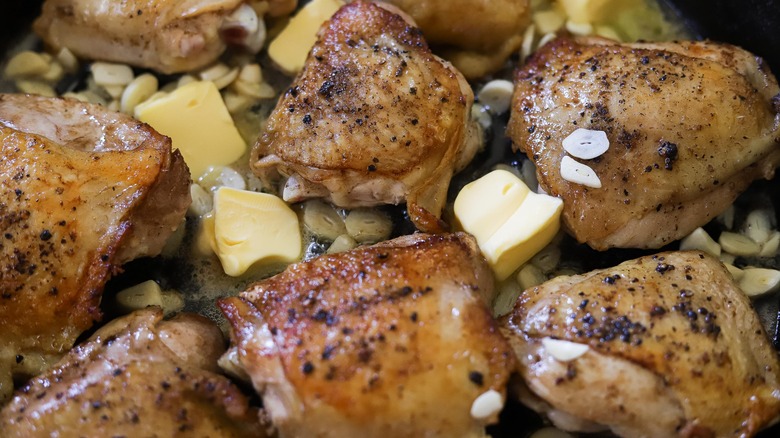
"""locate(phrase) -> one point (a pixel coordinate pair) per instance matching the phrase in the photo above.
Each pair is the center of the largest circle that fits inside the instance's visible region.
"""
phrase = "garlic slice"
(579, 173)
(564, 351)
(489, 403)
(497, 95)
(758, 281)
(586, 143)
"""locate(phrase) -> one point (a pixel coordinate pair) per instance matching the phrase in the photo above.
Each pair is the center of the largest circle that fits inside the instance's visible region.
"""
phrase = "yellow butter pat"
(198, 123)
(253, 228)
(291, 47)
(511, 223)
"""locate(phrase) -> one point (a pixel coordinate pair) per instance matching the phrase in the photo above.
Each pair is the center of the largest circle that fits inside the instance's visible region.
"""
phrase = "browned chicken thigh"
(689, 125)
(390, 340)
(138, 376)
(663, 346)
(475, 35)
(169, 36)
(374, 118)
(82, 191)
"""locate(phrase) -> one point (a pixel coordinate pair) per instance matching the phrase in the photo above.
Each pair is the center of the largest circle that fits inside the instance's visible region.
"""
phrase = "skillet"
(751, 24)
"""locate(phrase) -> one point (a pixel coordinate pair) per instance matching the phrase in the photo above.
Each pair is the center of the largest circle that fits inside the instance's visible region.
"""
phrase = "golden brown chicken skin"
(477, 36)
(82, 191)
(168, 36)
(675, 349)
(390, 340)
(137, 376)
(374, 118)
(690, 125)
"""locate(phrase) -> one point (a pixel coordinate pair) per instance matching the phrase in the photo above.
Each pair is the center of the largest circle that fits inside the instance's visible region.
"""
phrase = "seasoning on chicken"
(374, 118)
(168, 36)
(476, 36)
(690, 126)
(663, 346)
(390, 340)
(82, 191)
(137, 376)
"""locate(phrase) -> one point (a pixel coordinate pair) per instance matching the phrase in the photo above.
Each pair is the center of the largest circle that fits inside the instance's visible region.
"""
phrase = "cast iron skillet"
(751, 24)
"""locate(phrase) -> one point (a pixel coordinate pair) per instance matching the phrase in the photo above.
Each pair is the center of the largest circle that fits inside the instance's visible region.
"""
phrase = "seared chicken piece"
(138, 376)
(82, 191)
(169, 36)
(374, 118)
(476, 35)
(675, 349)
(690, 125)
(390, 340)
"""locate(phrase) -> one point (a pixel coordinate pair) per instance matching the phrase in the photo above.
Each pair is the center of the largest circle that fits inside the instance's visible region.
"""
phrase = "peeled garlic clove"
(758, 281)
(700, 240)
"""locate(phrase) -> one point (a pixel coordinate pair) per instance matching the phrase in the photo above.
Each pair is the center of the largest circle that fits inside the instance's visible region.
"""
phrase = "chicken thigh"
(477, 36)
(374, 118)
(138, 376)
(169, 36)
(689, 125)
(82, 191)
(390, 340)
(673, 348)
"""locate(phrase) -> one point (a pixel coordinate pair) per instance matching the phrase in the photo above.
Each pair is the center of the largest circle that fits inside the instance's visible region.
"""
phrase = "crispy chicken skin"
(390, 340)
(477, 36)
(374, 118)
(169, 36)
(690, 125)
(136, 377)
(675, 350)
(82, 191)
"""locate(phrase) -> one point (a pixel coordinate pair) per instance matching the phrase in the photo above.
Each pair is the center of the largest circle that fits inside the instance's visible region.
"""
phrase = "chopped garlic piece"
(140, 296)
(735, 272)
(564, 351)
(488, 404)
(700, 240)
(25, 64)
(508, 293)
(579, 173)
(530, 276)
(586, 143)
(758, 281)
(496, 95)
(738, 244)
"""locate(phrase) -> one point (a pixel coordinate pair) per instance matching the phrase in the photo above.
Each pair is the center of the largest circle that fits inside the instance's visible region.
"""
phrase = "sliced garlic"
(497, 95)
(508, 293)
(579, 173)
(222, 176)
(530, 276)
(528, 42)
(727, 258)
(140, 296)
(68, 60)
(108, 74)
(735, 272)
(727, 217)
(368, 226)
(137, 91)
(738, 244)
(547, 259)
(564, 351)
(548, 21)
(202, 201)
(546, 38)
(581, 29)
(214, 72)
(25, 64)
(341, 244)
(321, 219)
(586, 143)
(770, 247)
(35, 87)
(757, 226)
(700, 240)
(758, 281)
(488, 404)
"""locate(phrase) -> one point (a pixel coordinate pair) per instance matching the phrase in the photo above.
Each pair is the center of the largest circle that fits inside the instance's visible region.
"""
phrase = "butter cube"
(291, 47)
(198, 123)
(251, 227)
(511, 223)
